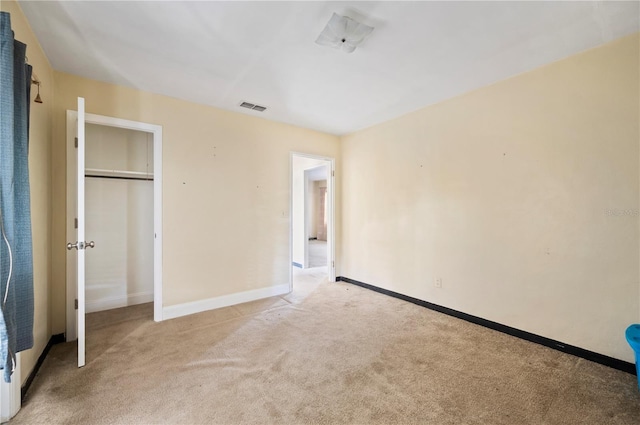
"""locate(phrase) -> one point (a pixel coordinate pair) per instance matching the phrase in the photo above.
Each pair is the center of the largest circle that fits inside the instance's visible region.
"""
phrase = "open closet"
(119, 217)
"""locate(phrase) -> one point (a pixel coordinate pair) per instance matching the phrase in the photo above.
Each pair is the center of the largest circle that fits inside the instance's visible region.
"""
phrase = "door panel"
(81, 236)
(76, 259)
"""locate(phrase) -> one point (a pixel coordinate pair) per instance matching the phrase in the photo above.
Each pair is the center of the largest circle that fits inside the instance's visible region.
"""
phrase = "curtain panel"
(16, 255)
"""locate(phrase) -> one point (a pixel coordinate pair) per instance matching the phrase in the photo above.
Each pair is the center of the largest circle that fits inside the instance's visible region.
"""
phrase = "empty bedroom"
(385, 212)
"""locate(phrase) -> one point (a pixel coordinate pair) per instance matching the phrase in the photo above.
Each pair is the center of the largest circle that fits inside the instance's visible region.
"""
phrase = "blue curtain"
(16, 255)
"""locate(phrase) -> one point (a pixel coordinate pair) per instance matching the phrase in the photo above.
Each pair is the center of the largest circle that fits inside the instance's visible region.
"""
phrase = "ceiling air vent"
(253, 106)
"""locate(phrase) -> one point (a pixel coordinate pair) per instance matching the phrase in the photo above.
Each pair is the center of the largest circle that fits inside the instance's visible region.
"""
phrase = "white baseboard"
(117, 302)
(10, 394)
(193, 307)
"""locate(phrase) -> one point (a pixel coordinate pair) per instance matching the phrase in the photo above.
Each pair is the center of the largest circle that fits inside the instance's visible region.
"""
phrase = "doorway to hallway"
(312, 214)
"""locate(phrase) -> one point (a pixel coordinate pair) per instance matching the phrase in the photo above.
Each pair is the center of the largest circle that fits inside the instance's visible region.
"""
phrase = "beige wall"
(225, 190)
(40, 181)
(505, 193)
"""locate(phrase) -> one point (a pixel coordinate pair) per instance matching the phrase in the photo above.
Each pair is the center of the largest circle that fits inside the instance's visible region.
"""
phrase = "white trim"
(11, 394)
(120, 123)
(331, 230)
(117, 302)
(331, 226)
(290, 265)
(81, 236)
(157, 223)
(156, 130)
(193, 307)
(305, 213)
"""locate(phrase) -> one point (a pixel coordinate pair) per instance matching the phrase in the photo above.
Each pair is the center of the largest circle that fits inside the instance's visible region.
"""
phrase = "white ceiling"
(221, 53)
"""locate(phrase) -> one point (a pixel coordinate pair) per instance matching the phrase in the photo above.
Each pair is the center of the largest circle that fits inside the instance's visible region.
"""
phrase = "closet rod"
(146, 179)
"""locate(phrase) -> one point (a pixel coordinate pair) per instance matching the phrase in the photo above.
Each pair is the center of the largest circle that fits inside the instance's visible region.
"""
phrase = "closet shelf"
(134, 175)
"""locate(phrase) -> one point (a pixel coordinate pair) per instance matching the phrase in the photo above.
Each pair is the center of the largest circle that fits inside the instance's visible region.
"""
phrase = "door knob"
(81, 245)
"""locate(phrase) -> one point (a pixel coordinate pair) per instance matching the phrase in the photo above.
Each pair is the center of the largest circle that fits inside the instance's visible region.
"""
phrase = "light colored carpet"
(329, 353)
(317, 253)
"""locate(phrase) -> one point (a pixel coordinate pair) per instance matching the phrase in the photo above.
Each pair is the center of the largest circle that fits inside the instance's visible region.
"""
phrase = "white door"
(76, 300)
(80, 245)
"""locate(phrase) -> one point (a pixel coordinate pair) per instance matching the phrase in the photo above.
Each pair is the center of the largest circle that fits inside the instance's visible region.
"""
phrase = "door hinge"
(333, 264)
(76, 142)
(76, 304)
(75, 223)
(333, 173)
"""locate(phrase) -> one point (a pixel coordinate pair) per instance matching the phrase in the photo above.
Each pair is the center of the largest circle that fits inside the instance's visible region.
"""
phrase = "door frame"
(331, 228)
(71, 284)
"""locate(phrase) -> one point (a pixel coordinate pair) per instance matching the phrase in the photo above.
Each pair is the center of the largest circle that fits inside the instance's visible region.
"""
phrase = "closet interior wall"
(119, 217)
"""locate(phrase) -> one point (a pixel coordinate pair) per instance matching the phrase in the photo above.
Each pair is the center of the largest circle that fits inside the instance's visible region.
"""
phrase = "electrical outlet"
(438, 282)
